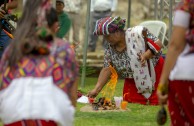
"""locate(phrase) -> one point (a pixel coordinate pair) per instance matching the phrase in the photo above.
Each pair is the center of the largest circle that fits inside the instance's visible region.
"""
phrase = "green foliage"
(89, 70)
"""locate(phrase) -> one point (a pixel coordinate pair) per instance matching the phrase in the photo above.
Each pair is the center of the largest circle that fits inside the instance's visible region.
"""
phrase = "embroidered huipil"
(121, 60)
(39, 86)
(59, 64)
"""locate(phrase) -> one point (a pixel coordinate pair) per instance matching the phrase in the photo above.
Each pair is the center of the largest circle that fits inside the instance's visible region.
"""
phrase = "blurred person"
(23, 2)
(73, 9)
(64, 20)
(38, 72)
(99, 9)
(4, 38)
(177, 82)
(135, 54)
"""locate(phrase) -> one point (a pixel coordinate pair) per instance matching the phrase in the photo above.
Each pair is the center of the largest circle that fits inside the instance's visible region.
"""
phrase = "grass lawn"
(140, 115)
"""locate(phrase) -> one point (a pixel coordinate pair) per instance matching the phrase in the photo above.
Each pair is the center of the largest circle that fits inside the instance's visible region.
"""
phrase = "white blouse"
(35, 98)
(183, 69)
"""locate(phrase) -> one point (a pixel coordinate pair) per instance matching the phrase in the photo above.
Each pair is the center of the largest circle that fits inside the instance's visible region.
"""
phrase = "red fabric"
(130, 91)
(181, 103)
(33, 123)
(153, 44)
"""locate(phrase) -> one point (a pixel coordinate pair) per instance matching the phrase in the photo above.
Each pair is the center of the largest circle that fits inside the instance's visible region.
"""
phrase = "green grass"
(140, 115)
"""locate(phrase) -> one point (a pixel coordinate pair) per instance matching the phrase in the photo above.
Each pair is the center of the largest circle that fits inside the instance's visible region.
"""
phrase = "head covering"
(62, 1)
(107, 25)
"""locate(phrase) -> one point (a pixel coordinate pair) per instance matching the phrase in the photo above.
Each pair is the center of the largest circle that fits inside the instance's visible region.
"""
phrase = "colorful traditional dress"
(140, 81)
(38, 87)
(122, 63)
(181, 86)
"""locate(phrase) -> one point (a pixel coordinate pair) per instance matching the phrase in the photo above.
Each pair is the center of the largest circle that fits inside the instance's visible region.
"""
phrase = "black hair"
(51, 17)
(26, 38)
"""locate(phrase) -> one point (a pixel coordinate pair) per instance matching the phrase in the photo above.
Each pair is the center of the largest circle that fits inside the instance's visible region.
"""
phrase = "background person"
(177, 75)
(140, 66)
(64, 20)
(4, 38)
(99, 9)
(73, 9)
(41, 69)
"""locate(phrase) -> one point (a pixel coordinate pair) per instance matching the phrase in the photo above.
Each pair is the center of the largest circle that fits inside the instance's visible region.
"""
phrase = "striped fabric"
(107, 25)
(153, 46)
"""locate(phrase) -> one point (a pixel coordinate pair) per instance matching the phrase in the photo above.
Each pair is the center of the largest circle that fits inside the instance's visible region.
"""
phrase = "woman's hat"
(107, 25)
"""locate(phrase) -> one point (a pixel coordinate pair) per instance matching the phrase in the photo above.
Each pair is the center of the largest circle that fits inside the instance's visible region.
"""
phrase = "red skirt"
(130, 89)
(181, 103)
(33, 123)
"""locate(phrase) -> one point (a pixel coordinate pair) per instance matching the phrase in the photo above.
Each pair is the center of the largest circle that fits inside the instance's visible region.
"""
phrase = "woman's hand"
(2, 12)
(162, 92)
(102, 80)
(162, 98)
(93, 93)
(55, 27)
(143, 60)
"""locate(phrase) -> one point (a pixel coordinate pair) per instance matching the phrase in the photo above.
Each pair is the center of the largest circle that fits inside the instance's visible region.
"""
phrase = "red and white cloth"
(144, 80)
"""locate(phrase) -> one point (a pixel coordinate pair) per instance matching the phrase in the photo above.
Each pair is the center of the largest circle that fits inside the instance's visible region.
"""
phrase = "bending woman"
(136, 56)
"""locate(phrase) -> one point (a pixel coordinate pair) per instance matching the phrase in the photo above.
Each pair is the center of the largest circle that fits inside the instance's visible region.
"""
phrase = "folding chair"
(157, 28)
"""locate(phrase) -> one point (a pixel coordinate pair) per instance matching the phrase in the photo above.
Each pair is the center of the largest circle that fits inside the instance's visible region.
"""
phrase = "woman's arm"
(65, 56)
(157, 44)
(12, 5)
(176, 46)
(148, 54)
(73, 93)
(104, 76)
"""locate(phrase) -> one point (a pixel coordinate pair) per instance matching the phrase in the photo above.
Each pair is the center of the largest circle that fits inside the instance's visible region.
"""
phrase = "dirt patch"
(88, 108)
